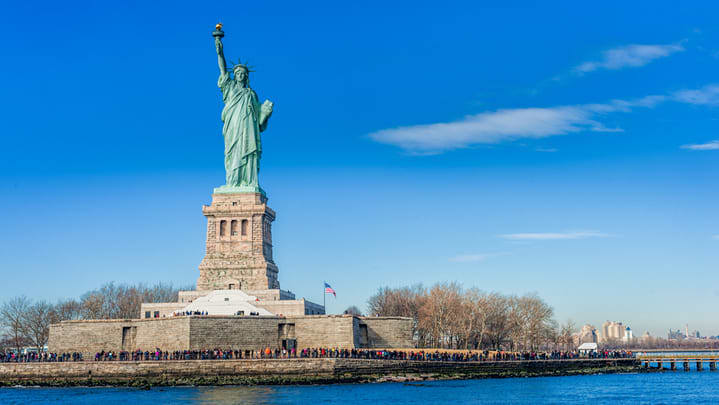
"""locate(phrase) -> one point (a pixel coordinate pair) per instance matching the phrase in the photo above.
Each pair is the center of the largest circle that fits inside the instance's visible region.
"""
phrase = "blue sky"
(563, 149)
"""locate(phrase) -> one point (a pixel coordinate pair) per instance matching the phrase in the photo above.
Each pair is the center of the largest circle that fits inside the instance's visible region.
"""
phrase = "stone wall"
(169, 334)
(229, 332)
(160, 309)
(271, 295)
(388, 332)
(290, 307)
(235, 333)
(323, 331)
(238, 252)
(187, 297)
(90, 337)
(220, 372)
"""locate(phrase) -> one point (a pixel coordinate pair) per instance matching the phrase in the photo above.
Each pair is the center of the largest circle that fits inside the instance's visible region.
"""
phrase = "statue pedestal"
(238, 251)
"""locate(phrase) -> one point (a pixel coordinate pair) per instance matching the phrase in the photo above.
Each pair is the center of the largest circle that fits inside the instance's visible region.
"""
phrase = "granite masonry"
(230, 333)
(290, 371)
(238, 252)
(239, 298)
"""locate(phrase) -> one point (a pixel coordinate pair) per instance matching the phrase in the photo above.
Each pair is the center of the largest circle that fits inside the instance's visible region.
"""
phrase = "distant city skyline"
(559, 149)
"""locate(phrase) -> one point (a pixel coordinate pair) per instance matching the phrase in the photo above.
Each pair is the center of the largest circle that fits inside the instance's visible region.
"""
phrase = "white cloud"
(476, 257)
(707, 95)
(629, 56)
(506, 125)
(555, 235)
(492, 127)
(716, 237)
(549, 150)
(489, 127)
(713, 145)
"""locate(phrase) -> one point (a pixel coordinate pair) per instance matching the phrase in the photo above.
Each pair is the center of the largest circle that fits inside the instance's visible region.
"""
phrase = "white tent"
(587, 347)
(226, 302)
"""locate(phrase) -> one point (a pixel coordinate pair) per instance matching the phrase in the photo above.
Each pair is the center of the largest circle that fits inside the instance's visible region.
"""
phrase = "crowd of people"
(267, 353)
(34, 357)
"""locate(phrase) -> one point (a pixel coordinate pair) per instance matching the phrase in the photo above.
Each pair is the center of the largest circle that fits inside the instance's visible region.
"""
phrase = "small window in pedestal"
(223, 228)
(233, 227)
(244, 227)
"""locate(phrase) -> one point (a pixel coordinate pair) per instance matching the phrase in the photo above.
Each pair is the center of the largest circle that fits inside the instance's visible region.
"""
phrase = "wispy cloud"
(555, 235)
(707, 95)
(628, 56)
(713, 145)
(506, 125)
(548, 150)
(475, 257)
(716, 237)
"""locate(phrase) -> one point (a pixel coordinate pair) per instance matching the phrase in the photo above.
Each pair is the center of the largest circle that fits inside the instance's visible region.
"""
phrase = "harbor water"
(636, 388)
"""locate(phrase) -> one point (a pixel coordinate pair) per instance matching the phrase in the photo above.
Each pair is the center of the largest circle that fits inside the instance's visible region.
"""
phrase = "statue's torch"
(218, 31)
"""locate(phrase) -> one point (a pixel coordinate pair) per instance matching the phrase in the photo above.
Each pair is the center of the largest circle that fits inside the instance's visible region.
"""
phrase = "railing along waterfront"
(685, 360)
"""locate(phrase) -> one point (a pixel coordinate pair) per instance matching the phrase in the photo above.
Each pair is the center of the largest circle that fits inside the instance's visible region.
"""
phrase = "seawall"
(292, 371)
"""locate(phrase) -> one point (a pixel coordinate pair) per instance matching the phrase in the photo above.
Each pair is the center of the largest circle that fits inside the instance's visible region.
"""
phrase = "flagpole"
(324, 297)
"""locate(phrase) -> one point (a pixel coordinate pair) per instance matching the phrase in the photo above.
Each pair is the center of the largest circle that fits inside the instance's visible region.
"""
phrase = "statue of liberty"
(244, 118)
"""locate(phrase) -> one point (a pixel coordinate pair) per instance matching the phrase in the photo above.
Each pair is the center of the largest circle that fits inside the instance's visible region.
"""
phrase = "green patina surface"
(243, 120)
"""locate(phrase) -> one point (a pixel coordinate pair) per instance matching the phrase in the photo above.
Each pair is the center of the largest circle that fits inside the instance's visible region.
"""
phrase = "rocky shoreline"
(290, 372)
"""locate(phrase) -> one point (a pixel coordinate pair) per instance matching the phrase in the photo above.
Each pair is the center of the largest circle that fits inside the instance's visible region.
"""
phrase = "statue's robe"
(241, 117)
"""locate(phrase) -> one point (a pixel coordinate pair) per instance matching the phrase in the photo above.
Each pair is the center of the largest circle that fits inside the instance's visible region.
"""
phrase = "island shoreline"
(145, 374)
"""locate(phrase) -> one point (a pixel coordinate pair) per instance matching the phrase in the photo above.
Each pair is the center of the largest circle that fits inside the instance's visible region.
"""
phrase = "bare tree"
(566, 334)
(122, 301)
(473, 317)
(498, 322)
(439, 314)
(12, 318)
(67, 310)
(37, 319)
(537, 320)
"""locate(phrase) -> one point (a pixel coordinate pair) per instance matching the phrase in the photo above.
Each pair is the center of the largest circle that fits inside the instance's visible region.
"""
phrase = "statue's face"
(241, 75)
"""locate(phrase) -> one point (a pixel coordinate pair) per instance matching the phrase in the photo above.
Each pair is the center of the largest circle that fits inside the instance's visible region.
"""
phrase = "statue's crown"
(239, 64)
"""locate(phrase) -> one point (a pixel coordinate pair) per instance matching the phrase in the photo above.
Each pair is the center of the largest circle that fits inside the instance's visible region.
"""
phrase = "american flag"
(329, 290)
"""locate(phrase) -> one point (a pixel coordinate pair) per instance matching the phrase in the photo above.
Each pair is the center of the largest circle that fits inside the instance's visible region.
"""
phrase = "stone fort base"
(230, 333)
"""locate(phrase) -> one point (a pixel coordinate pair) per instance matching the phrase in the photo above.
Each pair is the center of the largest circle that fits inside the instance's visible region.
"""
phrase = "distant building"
(628, 335)
(588, 334)
(675, 335)
(605, 331)
(612, 330)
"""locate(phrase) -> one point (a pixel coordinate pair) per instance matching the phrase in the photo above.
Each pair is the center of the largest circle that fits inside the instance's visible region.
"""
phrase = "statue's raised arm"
(218, 34)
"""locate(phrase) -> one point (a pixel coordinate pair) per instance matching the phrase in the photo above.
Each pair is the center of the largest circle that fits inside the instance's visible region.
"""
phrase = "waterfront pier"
(655, 361)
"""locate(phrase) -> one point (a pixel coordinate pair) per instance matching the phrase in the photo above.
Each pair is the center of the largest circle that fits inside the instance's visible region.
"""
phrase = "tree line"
(25, 322)
(448, 316)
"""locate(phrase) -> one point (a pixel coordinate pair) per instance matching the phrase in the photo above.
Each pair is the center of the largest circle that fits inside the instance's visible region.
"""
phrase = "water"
(651, 388)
